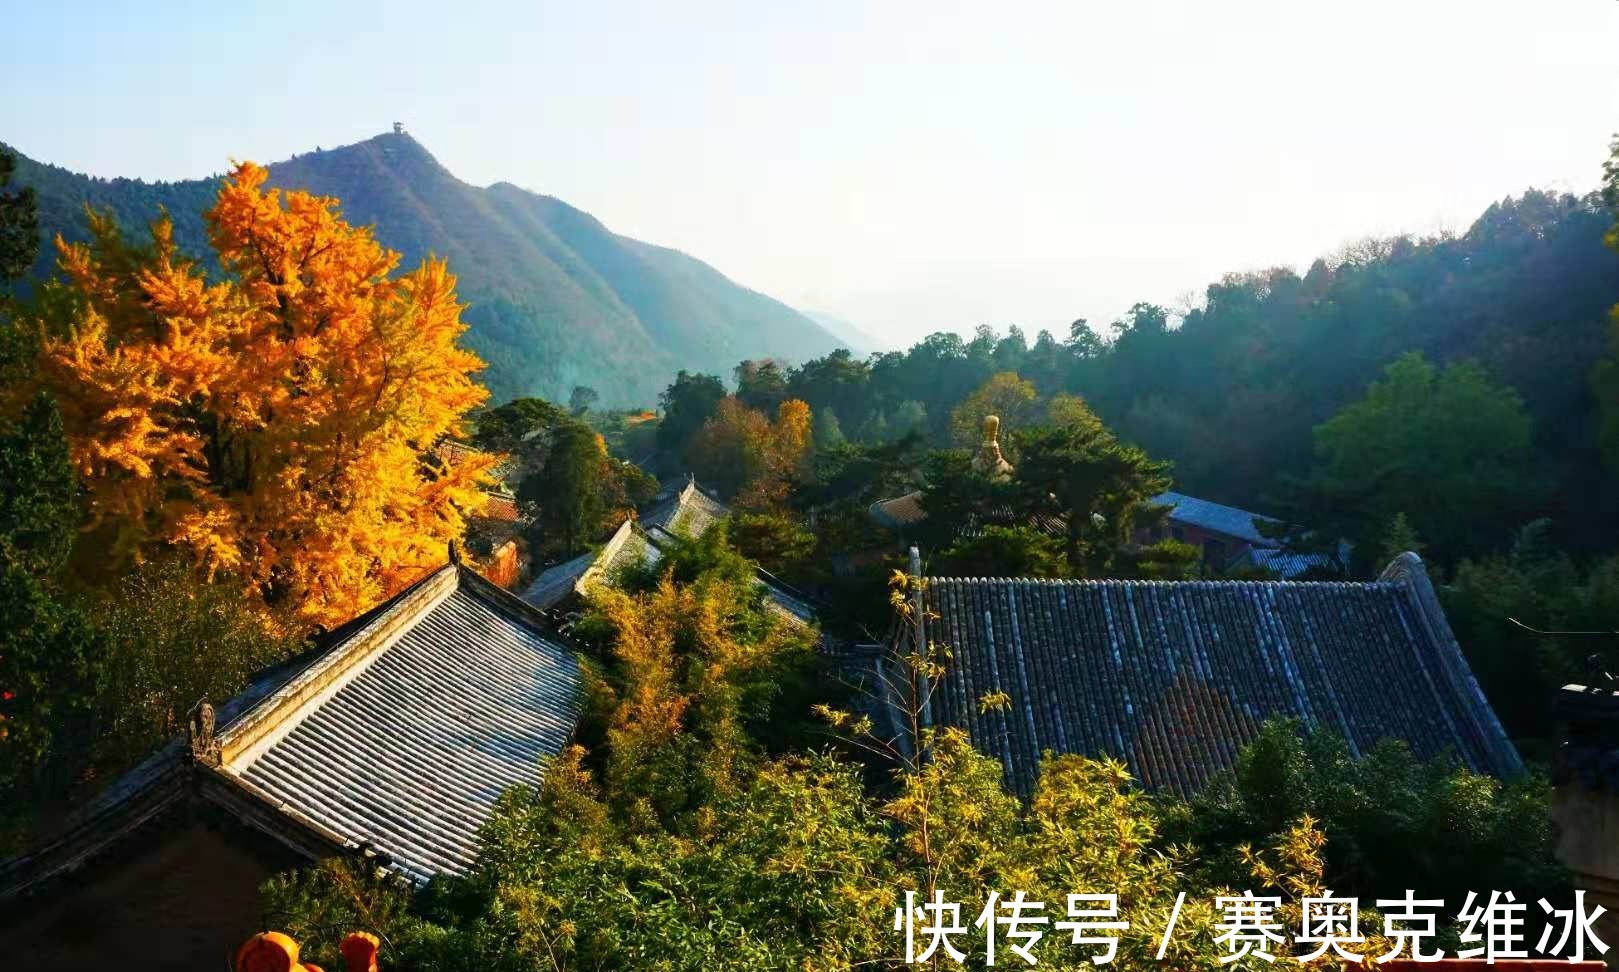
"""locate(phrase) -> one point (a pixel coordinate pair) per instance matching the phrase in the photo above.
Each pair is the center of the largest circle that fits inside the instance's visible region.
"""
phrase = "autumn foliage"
(746, 455)
(276, 422)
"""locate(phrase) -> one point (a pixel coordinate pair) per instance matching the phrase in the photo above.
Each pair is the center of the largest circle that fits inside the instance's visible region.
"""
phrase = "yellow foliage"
(746, 454)
(1005, 395)
(276, 424)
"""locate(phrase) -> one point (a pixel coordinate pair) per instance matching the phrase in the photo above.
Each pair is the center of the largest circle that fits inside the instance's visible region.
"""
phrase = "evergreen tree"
(1398, 538)
(568, 491)
(38, 512)
(19, 226)
(1100, 487)
(582, 399)
(687, 403)
(51, 657)
(828, 433)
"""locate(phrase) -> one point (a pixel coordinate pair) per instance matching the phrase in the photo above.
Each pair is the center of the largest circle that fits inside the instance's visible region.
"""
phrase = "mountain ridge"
(555, 298)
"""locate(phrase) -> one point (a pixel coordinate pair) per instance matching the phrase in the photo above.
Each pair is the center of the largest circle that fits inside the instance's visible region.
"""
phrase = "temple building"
(1174, 678)
(680, 513)
(391, 739)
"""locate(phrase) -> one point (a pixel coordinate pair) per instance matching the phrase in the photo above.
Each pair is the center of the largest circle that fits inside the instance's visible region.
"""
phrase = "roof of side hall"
(1175, 677)
(398, 737)
(688, 510)
(1218, 517)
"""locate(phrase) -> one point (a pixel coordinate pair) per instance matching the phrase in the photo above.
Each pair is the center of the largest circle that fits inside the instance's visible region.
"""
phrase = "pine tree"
(828, 433)
(1399, 537)
(568, 491)
(19, 225)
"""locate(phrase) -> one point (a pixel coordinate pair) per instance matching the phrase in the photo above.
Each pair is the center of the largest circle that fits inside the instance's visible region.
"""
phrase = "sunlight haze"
(907, 167)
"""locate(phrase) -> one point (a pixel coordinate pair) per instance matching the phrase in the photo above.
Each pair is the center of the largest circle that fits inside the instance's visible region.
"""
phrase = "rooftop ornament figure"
(989, 461)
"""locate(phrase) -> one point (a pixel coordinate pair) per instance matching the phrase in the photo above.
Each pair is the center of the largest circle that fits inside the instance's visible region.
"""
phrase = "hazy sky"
(908, 166)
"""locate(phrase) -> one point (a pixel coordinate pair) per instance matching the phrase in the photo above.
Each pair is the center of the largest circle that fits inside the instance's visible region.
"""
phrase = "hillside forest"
(249, 421)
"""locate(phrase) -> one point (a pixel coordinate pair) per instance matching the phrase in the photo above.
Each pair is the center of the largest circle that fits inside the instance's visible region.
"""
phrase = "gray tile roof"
(628, 545)
(1213, 516)
(1288, 565)
(555, 583)
(396, 734)
(688, 511)
(635, 545)
(1175, 677)
(900, 511)
(405, 740)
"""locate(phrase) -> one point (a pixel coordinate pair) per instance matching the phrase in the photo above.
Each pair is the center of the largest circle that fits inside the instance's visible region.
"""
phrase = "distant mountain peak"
(555, 299)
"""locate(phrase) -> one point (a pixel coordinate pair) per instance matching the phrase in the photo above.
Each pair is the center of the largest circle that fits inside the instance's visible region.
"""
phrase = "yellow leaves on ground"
(277, 424)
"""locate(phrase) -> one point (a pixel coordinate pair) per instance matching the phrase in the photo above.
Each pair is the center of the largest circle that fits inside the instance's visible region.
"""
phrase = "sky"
(909, 167)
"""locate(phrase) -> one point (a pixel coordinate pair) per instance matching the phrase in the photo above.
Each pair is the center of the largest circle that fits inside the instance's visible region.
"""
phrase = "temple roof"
(688, 510)
(1175, 677)
(408, 747)
(396, 737)
(628, 545)
(1216, 517)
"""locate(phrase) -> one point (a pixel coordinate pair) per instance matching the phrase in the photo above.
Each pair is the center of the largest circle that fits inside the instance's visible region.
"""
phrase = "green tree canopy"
(687, 403)
(567, 491)
(1448, 447)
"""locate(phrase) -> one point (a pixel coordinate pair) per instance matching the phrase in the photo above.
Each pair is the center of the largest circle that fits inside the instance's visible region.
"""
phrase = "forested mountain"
(1235, 390)
(556, 299)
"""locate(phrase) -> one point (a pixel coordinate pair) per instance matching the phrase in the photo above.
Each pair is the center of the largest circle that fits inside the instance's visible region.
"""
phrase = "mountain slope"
(855, 338)
(556, 299)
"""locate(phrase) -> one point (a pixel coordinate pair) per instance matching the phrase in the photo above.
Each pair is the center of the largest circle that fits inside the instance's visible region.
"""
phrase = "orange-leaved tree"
(276, 423)
(746, 456)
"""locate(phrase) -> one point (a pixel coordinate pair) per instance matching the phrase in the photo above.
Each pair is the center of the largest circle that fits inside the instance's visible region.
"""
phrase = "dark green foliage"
(1392, 822)
(171, 641)
(567, 490)
(1074, 481)
(582, 398)
(1605, 376)
(19, 224)
(38, 511)
(1100, 486)
(556, 299)
(51, 672)
(761, 385)
(1399, 537)
(829, 431)
(1540, 586)
(1000, 551)
(775, 541)
(51, 657)
(687, 403)
(521, 428)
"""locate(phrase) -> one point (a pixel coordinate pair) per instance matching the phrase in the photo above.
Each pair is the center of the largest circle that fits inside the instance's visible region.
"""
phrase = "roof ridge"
(283, 708)
(501, 599)
(605, 555)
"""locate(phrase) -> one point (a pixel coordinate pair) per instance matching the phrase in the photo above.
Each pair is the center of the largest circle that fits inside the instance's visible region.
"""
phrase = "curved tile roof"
(1217, 517)
(689, 511)
(1175, 677)
(407, 748)
(396, 734)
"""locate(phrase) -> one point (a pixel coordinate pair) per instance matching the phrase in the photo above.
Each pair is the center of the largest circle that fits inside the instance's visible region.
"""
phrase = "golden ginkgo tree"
(275, 420)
